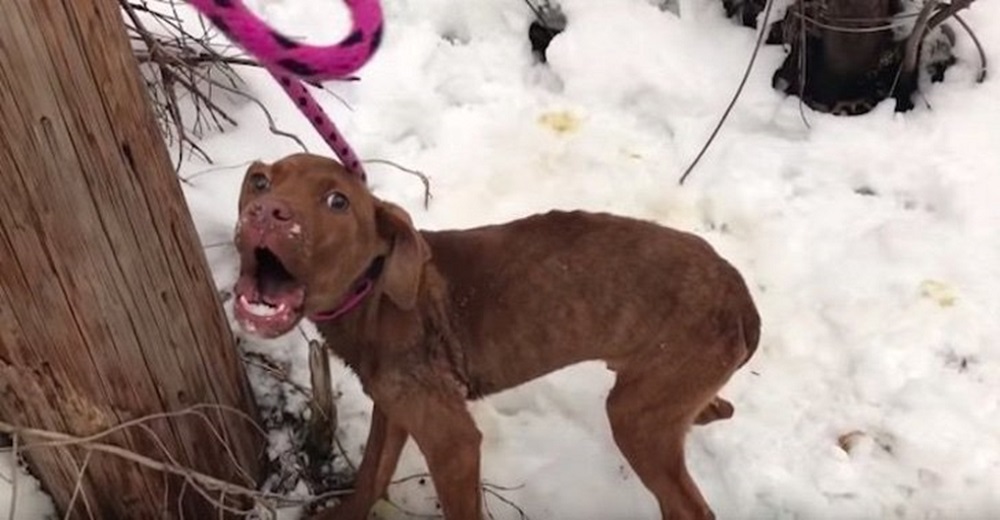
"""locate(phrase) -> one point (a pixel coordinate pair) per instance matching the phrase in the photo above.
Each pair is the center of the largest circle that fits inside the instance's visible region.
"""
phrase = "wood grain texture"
(107, 309)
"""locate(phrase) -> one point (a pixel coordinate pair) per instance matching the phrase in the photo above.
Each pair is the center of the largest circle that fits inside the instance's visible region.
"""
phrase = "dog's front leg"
(447, 436)
(385, 443)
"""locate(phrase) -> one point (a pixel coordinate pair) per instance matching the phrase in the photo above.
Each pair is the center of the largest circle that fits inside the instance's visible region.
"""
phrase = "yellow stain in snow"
(939, 292)
(560, 121)
(384, 509)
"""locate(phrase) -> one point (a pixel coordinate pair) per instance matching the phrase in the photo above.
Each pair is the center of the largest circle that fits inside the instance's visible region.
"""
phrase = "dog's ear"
(255, 167)
(407, 255)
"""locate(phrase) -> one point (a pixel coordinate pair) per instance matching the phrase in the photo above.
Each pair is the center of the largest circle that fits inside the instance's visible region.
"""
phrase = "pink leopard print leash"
(291, 63)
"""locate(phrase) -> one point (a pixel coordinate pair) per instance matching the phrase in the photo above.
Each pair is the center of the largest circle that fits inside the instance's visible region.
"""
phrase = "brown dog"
(429, 320)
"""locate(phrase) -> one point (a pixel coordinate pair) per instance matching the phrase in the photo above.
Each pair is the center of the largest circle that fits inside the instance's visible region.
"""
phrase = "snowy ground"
(870, 245)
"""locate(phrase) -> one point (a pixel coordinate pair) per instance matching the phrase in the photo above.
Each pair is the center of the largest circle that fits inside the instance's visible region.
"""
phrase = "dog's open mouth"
(269, 299)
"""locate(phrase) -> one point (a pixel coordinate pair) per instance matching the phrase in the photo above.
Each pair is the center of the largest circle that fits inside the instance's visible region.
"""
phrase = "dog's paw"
(719, 408)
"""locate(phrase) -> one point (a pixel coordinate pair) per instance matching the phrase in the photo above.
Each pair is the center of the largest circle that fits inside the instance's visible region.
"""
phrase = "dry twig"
(802, 62)
(486, 488)
(179, 65)
(420, 175)
(48, 439)
(761, 36)
(908, 67)
(78, 486)
(981, 77)
(947, 11)
(508, 502)
(322, 424)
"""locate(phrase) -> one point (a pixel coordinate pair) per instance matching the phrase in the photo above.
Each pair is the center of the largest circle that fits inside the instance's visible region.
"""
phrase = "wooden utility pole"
(107, 308)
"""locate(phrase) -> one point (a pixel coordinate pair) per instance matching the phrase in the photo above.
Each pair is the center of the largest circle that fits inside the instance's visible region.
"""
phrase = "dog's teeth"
(261, 309)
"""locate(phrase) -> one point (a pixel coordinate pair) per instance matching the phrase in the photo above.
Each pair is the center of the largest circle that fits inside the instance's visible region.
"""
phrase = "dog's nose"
(271, 210)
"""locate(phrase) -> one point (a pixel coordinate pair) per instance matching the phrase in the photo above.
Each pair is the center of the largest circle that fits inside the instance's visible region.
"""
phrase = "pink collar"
(360, 289)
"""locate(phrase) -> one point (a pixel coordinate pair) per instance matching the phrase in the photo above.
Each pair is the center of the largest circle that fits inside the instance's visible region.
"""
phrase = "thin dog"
(431, 319)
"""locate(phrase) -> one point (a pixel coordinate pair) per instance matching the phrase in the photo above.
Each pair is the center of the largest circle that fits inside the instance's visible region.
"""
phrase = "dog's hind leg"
(650, 412)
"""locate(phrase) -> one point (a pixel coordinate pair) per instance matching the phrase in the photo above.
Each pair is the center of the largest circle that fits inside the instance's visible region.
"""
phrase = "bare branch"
(48, 438)
(182, 66)
(423, 178)
(981, 77)
(761, 36)
(78, 486)
(946, 11)
(911, 49)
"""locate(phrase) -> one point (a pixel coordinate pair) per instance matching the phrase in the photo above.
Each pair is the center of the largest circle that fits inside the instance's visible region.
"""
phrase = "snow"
(869, 243)
(31, 501)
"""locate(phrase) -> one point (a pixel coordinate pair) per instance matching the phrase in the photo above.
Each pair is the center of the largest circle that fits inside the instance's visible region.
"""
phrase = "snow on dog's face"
(305, 232)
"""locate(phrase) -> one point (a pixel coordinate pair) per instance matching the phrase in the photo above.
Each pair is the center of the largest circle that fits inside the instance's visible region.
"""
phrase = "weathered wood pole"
(107, 309)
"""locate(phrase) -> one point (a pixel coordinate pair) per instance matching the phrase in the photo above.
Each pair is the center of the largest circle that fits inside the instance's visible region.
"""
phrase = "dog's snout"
(271, 210)
(269, 222)
(281, 212)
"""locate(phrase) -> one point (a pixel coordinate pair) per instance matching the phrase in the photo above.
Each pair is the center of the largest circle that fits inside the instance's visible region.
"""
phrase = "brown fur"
(457, 315)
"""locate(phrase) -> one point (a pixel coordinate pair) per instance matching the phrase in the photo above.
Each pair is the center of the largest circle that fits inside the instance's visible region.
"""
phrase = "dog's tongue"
(246, 287)
(289, 296)
(277, 292)
(271, 292)
(267, 310)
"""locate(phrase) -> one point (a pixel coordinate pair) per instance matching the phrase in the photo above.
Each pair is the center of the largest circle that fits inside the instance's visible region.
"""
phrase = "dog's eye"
(337, 201)
(259, 182)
